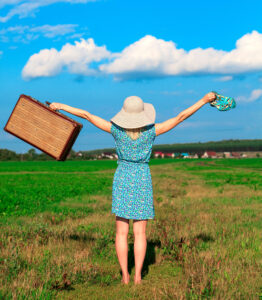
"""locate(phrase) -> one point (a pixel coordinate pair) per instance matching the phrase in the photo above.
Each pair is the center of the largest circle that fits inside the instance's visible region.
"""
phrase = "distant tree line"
(191, 148)
(8, 155)
(220, 146)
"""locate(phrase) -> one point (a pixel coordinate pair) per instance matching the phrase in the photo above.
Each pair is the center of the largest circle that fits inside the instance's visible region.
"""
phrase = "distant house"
(159, 154)
(227, 154)
(108, 155)
(235, 154)
(169, 155)
(209, 154)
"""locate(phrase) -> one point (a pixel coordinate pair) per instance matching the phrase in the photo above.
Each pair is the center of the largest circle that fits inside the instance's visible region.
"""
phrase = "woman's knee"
(122, 227)
(122, 233)
(139, 228)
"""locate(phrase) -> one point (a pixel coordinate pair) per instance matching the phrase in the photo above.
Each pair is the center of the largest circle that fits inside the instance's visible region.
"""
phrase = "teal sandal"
(223, 103)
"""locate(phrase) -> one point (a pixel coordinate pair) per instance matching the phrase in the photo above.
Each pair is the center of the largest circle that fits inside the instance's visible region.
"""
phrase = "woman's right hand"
(55, 106)
(209, 97)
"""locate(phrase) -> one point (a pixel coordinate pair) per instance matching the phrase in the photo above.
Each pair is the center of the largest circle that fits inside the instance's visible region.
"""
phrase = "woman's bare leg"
(140, 244)
(122, 228)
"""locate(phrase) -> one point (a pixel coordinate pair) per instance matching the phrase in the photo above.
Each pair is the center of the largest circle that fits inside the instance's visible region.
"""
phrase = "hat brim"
(135, 120)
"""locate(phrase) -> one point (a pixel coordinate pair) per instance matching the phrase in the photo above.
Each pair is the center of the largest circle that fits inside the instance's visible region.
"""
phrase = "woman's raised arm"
(173, 122)
(97, 121)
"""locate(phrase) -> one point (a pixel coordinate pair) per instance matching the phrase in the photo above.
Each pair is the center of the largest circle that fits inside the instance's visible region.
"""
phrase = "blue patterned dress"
(132, 196)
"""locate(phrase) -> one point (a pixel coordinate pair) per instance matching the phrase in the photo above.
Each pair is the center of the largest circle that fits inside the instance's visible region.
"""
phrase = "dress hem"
(133, 218)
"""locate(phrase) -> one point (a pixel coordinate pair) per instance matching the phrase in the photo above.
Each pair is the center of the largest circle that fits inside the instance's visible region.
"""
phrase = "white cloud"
(52, 31)
(144, 58)
(14, 32)
(27, 33)
(150, 57)
(26, 8)
(254, 95)
(75, 36)
(225, 78)
(76, 58)
(9, 2)
(14, 29)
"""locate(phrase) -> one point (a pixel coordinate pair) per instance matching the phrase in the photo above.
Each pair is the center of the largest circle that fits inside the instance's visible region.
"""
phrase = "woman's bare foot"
(137, 279)
(125, 279)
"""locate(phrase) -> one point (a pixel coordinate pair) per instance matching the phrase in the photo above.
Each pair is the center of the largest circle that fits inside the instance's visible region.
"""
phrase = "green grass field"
(57, 232)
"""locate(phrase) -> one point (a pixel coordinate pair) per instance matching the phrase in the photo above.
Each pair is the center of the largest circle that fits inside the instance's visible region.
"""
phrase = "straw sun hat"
(135, 113)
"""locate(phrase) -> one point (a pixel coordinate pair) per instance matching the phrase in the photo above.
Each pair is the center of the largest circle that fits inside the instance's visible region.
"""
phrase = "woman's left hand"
(55, 106)
(209, 97)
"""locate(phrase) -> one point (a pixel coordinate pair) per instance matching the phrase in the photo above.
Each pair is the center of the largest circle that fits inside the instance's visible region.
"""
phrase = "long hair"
(135, 133)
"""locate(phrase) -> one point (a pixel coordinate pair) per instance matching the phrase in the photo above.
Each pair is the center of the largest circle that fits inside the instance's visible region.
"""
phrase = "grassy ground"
(57, 233)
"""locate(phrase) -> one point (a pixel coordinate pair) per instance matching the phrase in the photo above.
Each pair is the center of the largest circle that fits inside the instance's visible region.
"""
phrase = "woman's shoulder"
(149, 131)
(151, 127)
(116, 127)
(116, 130)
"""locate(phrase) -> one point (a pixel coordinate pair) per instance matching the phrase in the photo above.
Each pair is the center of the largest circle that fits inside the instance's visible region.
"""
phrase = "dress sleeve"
(114, 131)
(153, 132)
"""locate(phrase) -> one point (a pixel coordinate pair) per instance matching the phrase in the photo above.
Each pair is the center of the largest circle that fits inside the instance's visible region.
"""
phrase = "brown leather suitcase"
(40, 126)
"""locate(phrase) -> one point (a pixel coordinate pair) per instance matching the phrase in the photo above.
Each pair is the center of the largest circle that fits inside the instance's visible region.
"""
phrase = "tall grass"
(57, 233)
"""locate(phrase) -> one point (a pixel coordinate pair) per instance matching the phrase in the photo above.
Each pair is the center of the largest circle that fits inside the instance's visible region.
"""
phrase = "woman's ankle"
(137, 278)
(126, 278)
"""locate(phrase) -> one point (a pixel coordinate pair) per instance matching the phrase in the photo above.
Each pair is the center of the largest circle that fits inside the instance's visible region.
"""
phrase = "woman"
(134, 131)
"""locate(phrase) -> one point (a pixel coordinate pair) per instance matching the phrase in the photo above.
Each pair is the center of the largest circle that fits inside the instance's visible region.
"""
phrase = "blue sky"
(94, 54)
